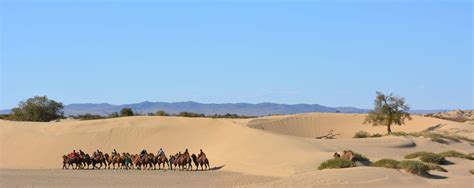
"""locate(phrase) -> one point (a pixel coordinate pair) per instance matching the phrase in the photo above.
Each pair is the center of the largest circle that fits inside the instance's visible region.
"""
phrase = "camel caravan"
(144, 160)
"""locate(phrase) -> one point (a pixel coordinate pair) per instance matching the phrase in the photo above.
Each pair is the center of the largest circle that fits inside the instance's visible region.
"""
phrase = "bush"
(361, 134)
(428, 157)
(376, 135)
(126, 112)
(387, 163)
(433, 158)
(161, 113)
(399, 134)
(38, 108)
(471, 171)
(89, 117)
(437, 168)
(357, 157)
(336, 163)
(190, 114)
(452, 153)
(414, 167)
(416, 155)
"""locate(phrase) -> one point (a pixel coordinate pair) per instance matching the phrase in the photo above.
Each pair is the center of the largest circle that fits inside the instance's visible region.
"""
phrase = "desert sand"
(276, 151)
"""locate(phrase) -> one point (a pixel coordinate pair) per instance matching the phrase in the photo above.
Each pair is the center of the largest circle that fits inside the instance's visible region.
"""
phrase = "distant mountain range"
(248, 109)
(260, 109)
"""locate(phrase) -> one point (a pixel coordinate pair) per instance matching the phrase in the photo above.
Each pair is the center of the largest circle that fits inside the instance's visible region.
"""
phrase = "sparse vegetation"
(365, 134)
(230, 116)
(388, 110)
(361, 134)
(428, 157)
(387, 163)
(88, 117)
(414, 167)
(442, 138)
(471, 171)
(190, 114)
(357, 157)
(456, 154)
(416, 155)
(336, 163)
(38, 108)
(436, 167)
(376, 135)
(433, 158)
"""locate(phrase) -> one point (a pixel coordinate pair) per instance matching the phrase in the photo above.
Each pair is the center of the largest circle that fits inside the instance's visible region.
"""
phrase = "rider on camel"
(143, 153)
(73, 153)
(202, 153)
(114, 152)
(161, 152)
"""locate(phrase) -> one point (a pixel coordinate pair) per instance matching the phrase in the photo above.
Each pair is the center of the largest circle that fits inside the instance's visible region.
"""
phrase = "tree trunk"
(389, 130)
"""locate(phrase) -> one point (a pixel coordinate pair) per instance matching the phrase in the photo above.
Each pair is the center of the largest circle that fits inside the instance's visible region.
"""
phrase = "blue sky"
(335, 53)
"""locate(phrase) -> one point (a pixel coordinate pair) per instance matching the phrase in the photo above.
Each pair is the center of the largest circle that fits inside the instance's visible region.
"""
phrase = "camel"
(161, 159)
(201, 161)
(70, 161)
(126, 161)
(98, 159)
(149, 161)
(138, 161)
(172, 162)
(87, 161)
(116, 159)
(184, 161)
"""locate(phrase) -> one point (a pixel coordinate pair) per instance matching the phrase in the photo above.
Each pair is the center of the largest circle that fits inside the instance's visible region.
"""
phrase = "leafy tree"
(388, 110)
(38, 108)
(126, 112)
(161, 113)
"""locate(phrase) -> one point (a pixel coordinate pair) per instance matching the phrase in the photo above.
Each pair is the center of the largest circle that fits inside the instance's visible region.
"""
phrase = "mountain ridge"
(247, 109)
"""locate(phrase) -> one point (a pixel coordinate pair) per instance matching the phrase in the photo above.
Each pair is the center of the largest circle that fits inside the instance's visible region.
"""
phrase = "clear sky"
(334, 53)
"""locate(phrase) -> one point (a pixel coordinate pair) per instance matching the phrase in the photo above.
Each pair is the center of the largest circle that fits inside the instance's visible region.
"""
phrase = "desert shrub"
(416, 155)
(336, 163)
(399, 134)
(4, 116)
(361, 134)
(414, 167)
(428, 157)
(89, 117)
(471, 171)
(436, 167)
(230, 116)
(190, 114)
(376, 135)
(357, 157)
(456, 154)
(387, 163)
(433, 158)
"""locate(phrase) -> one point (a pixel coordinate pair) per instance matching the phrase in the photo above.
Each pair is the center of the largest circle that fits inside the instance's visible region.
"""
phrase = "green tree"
(126, 112)
(161, 113)
(388, 110)
(38, 108)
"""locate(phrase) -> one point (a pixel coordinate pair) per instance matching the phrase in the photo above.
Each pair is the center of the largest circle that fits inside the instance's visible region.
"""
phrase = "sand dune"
(281, 146)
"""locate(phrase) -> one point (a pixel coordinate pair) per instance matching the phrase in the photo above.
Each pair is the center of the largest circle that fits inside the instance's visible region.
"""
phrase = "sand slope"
(283, 149)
